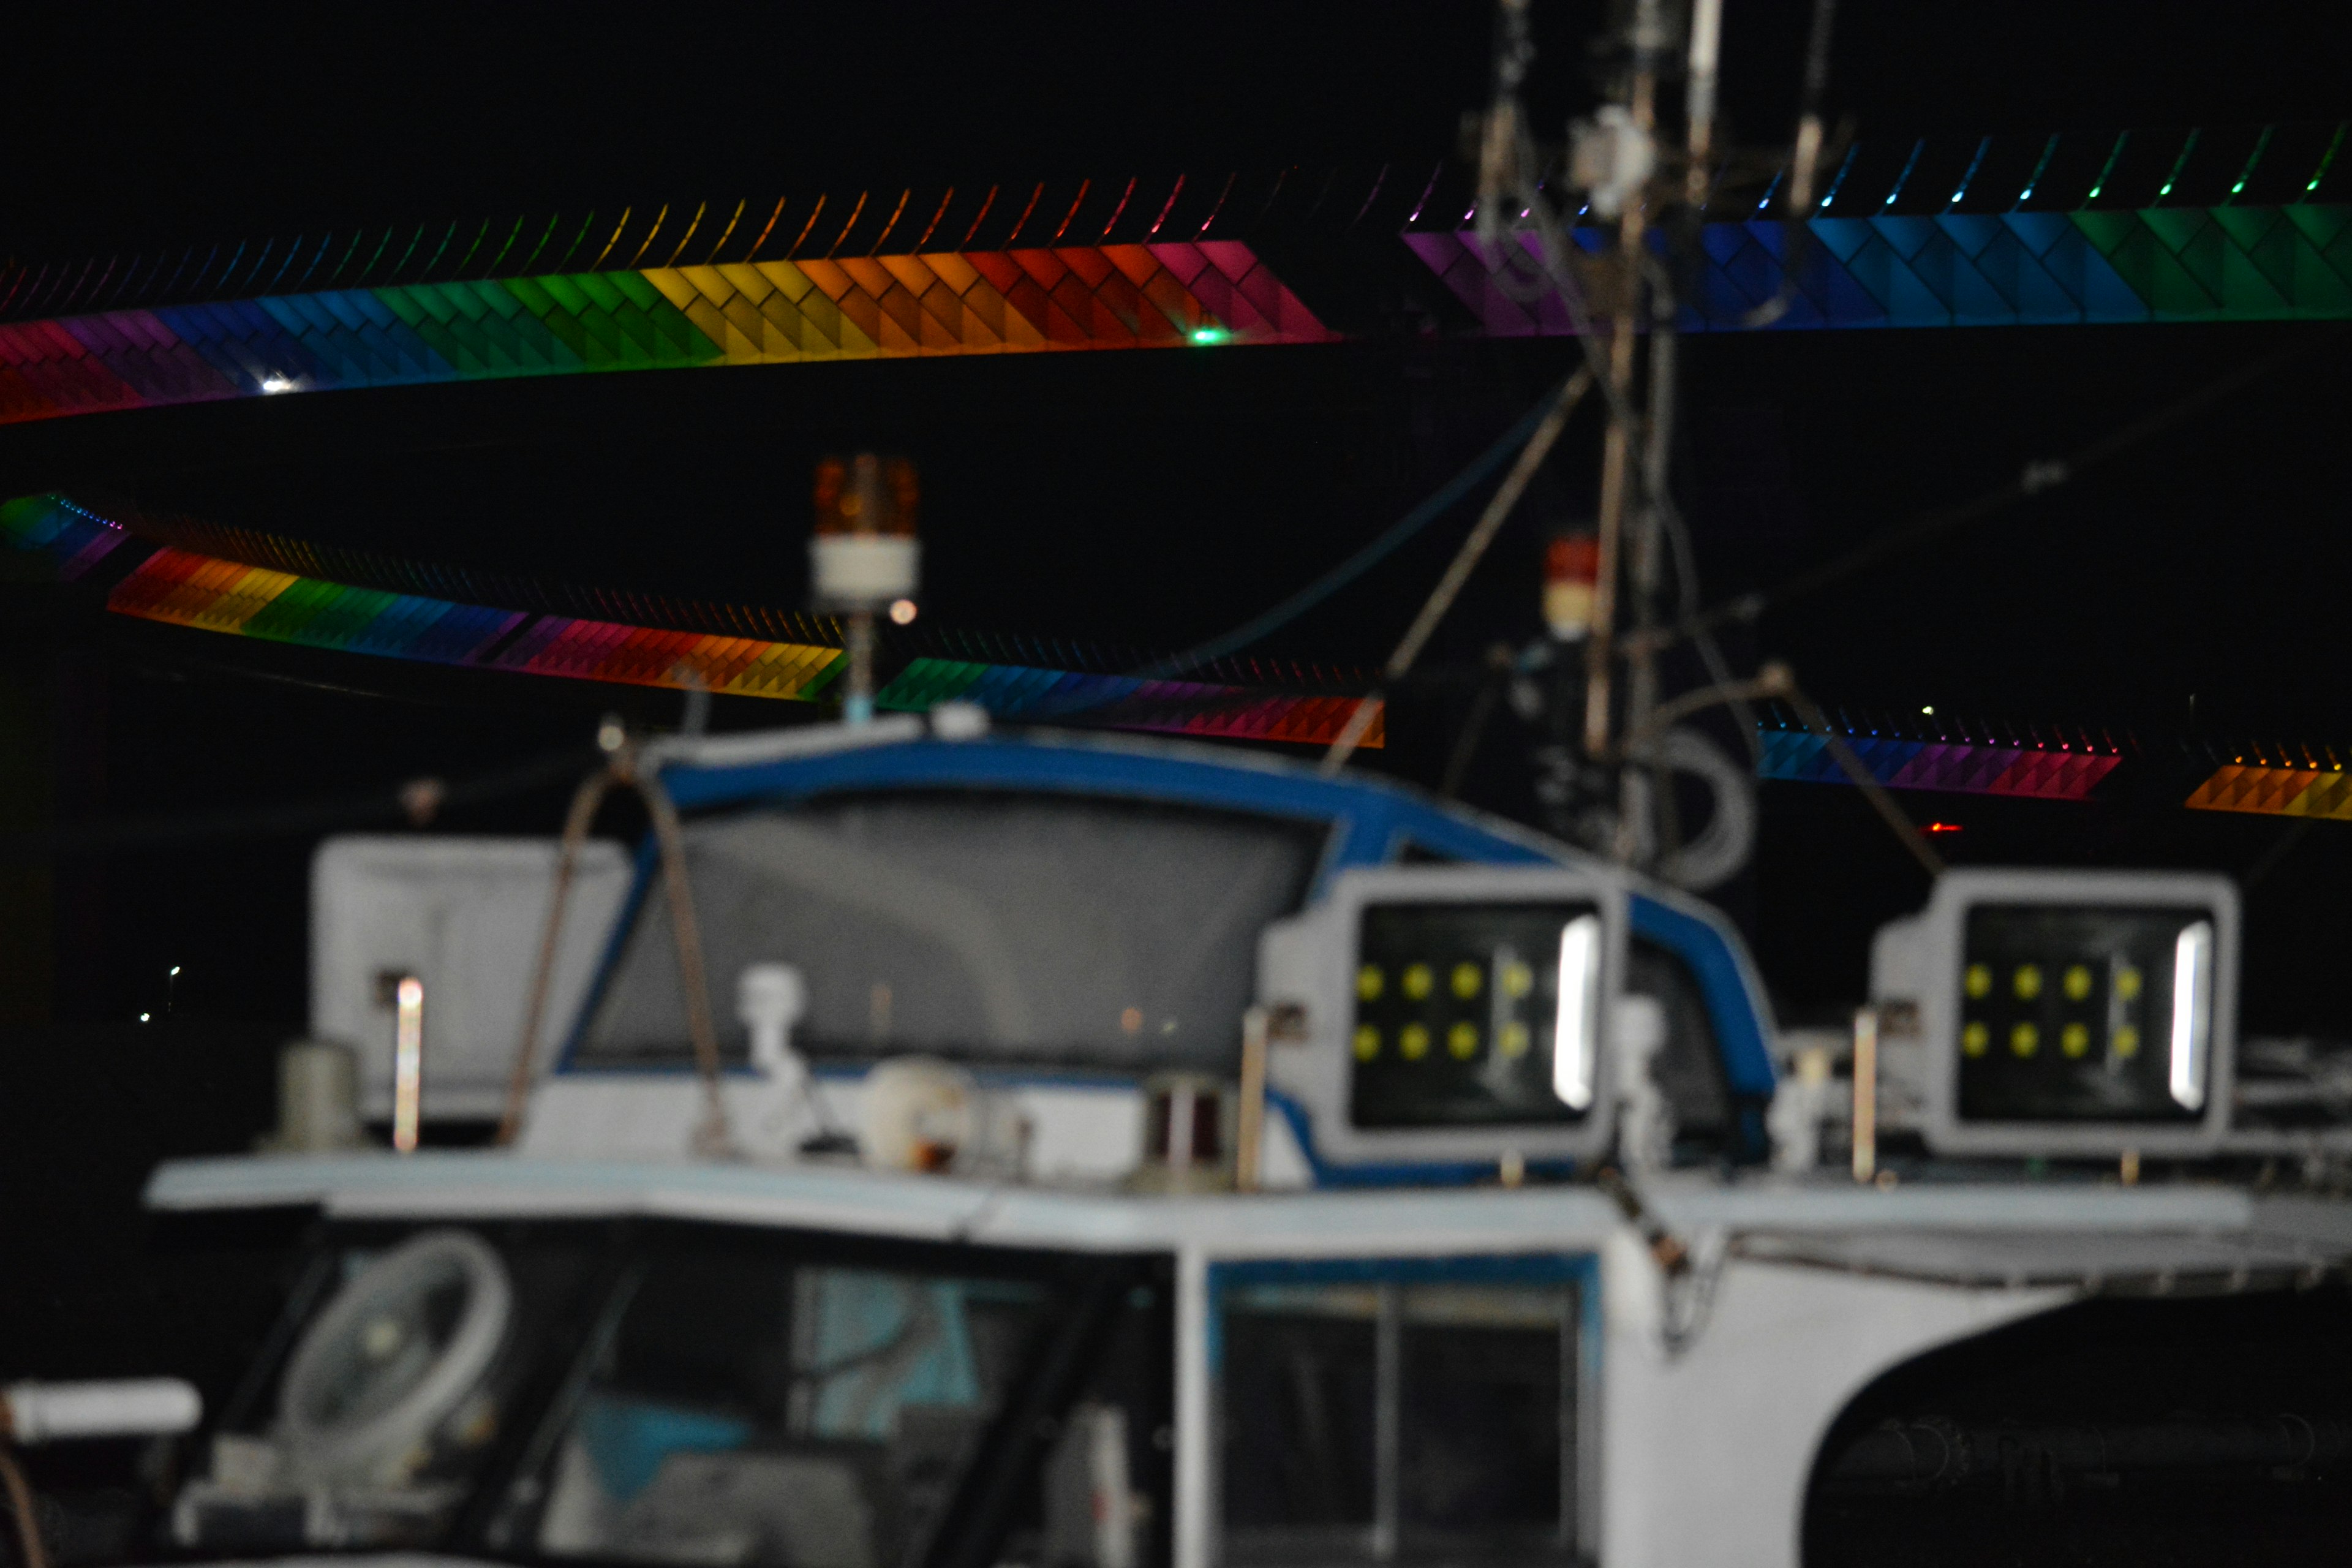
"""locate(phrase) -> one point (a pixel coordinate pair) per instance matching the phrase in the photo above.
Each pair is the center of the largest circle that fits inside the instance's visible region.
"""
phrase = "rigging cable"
(2032, 480)
(1434, 506)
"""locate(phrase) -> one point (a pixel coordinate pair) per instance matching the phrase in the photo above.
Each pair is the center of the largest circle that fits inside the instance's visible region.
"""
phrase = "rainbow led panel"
(2063, 772)
(2018, 268)
(187, 587)
(753, 313)
(69, 539)
(1126, 702)
(2277, 791)
(2237, 224)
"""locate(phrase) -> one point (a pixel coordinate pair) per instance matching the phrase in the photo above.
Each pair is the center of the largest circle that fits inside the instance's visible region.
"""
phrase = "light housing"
(2083, 1013)
(863, 553)
(1449, 1016)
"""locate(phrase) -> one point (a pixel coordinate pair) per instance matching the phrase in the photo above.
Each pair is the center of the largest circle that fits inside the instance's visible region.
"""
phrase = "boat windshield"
(695, 1394)
(1029, 927)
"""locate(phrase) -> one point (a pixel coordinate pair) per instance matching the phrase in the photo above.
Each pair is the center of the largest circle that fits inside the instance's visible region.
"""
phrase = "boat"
(1145, 1155)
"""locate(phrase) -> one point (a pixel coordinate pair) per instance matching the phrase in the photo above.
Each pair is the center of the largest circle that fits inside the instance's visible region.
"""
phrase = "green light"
(2248, 172)
(2321, 172)
(2177, 164)
(1211, 335)
(2116, 152)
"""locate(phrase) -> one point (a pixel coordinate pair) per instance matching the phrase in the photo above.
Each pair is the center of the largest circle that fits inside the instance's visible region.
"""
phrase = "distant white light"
(143, 1017)
(175, 971)
(1929, 709)
(277, 383)
(1574, 1049)
(902, 611)
(2192, 969)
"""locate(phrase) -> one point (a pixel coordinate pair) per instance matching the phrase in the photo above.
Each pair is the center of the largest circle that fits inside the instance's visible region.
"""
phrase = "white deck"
(480, 1184)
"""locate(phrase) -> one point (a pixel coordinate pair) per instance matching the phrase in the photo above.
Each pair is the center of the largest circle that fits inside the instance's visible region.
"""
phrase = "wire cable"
(1432, 507)
(1466, 559)
(2032, 480)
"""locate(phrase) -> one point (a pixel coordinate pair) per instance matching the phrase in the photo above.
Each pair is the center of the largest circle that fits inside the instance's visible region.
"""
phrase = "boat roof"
(1975, 1234)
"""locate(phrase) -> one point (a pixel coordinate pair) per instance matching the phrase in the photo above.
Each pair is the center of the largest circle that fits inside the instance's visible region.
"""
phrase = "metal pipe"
(1699, 98)
(407, 1062)
(1249, 1117)
(1865, 1094)
(1616, 452)
(585, 802)
(857, 702)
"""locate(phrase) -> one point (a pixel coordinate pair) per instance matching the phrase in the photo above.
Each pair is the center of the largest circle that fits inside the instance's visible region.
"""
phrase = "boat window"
(747, 1412)
(685, 1394)
(381, 1397)
(1029, 927)
(1378, 1420)
(757, 1406)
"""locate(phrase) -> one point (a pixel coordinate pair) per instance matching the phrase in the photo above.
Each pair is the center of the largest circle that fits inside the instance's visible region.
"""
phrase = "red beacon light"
(1571, 571)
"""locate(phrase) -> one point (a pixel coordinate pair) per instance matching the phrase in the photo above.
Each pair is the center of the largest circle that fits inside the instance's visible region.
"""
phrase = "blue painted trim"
(640, 879)
(1374, 814)
(1107, 1081)
(1448, 1173)
(1738, 1027)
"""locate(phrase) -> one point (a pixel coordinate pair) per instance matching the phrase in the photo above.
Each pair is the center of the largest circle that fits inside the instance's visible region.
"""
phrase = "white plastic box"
(465, 915)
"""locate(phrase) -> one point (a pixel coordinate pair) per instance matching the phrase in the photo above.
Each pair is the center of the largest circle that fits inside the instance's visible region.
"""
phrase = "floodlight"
(1449, 1016)
(2071, 1012)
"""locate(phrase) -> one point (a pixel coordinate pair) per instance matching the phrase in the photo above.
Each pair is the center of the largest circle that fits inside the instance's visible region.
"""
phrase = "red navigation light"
(1941, 828)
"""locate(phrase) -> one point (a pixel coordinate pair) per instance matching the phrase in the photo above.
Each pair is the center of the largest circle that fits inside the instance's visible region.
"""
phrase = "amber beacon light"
(864, 556)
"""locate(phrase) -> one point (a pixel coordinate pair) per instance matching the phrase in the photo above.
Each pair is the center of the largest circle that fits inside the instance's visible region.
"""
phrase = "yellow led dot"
(1518, 979)
(1980, 980)
(2126, 1041)
(1413, 1041)
(2028, 981)
(1370, 983)
(1467, 978)
(1418, 981)
(2127, 984)
(2075, 1040)
(1367, 1042)
(1975, 1039)
(1462, 1041)
(2078, 981)
(2025, 1039)
(1515, 1040)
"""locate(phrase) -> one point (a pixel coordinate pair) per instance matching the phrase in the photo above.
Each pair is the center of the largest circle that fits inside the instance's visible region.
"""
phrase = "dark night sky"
(1141, 498)
(1152, 498)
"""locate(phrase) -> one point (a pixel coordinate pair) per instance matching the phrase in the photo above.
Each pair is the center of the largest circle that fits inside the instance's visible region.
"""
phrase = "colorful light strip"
(2063, 773)
(2277, 791)
(186, 587)
(1124, 702)
(73, 539)
(2012, 268)
(1994, 230)
(756, 312)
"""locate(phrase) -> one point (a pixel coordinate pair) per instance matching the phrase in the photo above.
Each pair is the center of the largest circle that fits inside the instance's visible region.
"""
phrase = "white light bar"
(2192, 993)
(1577, 1025)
